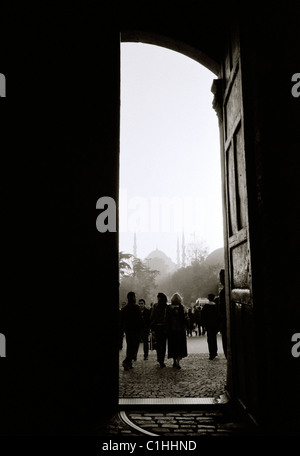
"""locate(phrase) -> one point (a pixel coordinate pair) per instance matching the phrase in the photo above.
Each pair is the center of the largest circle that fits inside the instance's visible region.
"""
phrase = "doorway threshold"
(223, 399)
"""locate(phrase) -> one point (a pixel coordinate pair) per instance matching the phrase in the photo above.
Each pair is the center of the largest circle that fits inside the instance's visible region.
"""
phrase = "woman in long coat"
(176, 328)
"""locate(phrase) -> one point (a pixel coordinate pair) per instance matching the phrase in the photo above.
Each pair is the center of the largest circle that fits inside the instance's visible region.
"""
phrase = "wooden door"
(228, 103)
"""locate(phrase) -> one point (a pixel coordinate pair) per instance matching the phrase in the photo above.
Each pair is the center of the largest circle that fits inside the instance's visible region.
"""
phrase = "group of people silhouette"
(168, 324)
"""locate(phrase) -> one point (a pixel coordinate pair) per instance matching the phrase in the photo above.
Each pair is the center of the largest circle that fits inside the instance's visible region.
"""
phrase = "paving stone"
(204, 426)
(187, 426)
(142, 418)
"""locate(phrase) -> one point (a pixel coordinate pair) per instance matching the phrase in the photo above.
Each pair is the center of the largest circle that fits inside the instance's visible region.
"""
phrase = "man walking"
(158, 324)
(211, 324)
(145, 313)
(131, 322)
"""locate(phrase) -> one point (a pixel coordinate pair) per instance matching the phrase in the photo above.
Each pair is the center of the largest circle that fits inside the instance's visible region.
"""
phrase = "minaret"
(183, 251)
(178, 254)
(134, 246)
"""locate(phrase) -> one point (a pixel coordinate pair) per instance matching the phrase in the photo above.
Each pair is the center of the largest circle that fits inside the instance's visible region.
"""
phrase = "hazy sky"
(170, 178)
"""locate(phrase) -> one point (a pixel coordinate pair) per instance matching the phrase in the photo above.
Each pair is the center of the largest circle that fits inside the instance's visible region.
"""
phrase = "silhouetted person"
(158, 325)
(131, 322)
(177, 346)
(210, 321)
(121, 330)
(190, 322)
(222, 312)
(145, 313)
(198, 322)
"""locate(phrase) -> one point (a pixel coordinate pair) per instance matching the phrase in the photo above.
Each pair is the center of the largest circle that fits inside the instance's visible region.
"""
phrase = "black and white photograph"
(150, 216)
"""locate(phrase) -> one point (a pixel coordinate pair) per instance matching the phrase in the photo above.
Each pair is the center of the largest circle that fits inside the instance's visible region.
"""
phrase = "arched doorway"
(228, 104)
(188, 141)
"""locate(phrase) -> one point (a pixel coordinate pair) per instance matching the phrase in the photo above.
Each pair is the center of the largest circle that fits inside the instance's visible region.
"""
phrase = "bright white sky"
(170, 178)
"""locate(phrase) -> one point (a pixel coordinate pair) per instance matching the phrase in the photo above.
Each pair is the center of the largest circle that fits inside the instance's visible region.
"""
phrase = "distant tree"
(124, 265)
(192, 282)
(206, 281)
(196, 252)
(141, 280)
(158, 264)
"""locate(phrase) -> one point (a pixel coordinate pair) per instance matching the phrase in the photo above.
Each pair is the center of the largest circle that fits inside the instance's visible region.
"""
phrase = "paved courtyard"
(198, 377)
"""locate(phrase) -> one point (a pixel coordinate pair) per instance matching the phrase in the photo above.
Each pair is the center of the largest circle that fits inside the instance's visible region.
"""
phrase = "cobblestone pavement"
(198, 377)
(214, 421)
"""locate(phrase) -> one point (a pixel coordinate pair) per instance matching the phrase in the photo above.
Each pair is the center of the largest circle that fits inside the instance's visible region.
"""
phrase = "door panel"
(241, 362)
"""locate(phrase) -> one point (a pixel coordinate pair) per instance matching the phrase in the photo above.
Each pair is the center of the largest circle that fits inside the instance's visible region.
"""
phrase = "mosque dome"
(158, 254)
(216, 258)
(158, 260)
